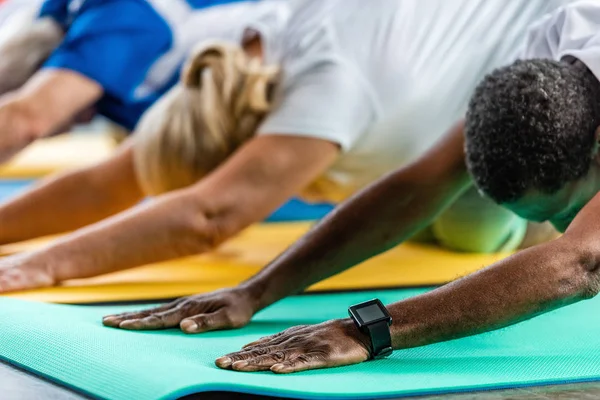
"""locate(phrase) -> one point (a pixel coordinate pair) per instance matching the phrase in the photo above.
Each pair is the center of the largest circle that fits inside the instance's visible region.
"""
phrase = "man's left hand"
(331, 344)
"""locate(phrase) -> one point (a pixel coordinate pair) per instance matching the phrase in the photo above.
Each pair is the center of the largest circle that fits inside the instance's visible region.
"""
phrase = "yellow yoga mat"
(57, 154)
(407, 265)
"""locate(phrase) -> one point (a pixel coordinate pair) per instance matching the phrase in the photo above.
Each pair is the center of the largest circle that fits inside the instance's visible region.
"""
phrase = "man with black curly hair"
(532, 138)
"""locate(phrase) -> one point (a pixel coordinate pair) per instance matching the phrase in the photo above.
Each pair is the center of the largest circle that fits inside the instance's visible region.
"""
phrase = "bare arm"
(257, 179)
(378, 218)
(532, 282)
(374, 220)
(51, 99)
(72, 200)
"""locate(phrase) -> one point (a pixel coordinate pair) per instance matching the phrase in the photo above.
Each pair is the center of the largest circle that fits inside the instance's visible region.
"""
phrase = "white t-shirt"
(571, 31)
(385, 79)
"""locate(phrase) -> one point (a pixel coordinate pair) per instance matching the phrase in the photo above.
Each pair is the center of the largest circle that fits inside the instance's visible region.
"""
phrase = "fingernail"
(240, 364)
(110, 322)
(224, 362)
(189, 326)
(278, 368)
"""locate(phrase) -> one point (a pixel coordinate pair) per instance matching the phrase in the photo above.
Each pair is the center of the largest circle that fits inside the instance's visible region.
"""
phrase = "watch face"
(370, 312)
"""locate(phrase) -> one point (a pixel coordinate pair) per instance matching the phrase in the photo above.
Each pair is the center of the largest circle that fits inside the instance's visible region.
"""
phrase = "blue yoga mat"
(10, 188)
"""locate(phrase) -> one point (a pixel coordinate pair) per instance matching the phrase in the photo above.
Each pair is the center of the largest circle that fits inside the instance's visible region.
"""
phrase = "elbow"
(209, 232)
(582, 280)
(590, 272)
(211, 228)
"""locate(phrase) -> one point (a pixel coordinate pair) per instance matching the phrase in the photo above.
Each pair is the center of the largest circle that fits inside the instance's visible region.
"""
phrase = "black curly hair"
(532, 125)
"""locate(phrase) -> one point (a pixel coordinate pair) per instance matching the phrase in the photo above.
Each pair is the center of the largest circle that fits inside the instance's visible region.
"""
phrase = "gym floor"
(16, 384)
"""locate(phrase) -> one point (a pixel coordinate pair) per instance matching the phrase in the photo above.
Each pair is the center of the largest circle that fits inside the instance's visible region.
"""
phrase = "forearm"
(170, 227)
(376, 219)
(61, 204)
(372, 222)
(520, 287)
(48, 101)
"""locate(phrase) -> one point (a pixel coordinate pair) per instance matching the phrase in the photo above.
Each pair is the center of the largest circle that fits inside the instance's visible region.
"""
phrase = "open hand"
(330, 344)
(223, 309)
(19, 272)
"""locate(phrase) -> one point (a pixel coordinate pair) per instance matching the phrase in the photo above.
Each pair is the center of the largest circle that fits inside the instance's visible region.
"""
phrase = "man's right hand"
(223, 309)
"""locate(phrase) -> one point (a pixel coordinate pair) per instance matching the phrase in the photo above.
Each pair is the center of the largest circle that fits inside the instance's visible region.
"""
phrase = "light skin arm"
(50, 100)
(72, 200)
(530, 283)
(251, 184)
(371, 222)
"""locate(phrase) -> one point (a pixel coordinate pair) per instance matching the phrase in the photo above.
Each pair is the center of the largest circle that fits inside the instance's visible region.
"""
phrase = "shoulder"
(567, 28)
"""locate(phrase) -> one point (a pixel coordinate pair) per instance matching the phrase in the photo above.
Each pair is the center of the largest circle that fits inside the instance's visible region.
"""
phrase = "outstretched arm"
(25, 43)
(532, 282)
(50, 100)
(373, 221)
(250, 185)
(72, 200)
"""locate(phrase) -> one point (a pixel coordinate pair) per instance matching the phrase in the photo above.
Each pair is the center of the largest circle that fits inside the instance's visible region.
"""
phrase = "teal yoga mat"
(68, 344)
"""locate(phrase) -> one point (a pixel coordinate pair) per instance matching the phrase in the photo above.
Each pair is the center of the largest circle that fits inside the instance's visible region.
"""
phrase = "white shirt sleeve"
(573, 30)
(324, 101)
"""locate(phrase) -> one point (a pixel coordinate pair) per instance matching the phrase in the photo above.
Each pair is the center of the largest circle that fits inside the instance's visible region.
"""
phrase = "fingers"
(192, 315)
(156, 320)
(208, 322)
(303, 362)
(274, 359)
(115, 321)
(274, 339)
(255, 360)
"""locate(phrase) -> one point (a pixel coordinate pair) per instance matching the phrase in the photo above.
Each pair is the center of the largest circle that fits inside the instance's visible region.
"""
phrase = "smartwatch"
(373, 319)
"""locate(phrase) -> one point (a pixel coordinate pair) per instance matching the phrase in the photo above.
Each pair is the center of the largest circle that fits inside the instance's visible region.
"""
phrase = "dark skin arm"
(530, 283)
(375, 220)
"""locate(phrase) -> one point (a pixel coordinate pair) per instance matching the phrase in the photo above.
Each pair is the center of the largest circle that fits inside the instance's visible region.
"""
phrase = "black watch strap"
(381, 340)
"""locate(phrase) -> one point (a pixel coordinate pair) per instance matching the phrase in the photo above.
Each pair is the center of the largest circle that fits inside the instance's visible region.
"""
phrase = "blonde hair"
(221, 99)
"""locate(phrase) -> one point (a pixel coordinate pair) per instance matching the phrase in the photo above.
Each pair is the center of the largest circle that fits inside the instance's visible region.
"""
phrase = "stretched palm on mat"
(531, 282)
(531, 144)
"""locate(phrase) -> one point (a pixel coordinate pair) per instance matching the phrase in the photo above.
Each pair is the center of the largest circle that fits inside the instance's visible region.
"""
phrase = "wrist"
(349, 326)
(30, 263)
(256, 291)
(57, 271)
